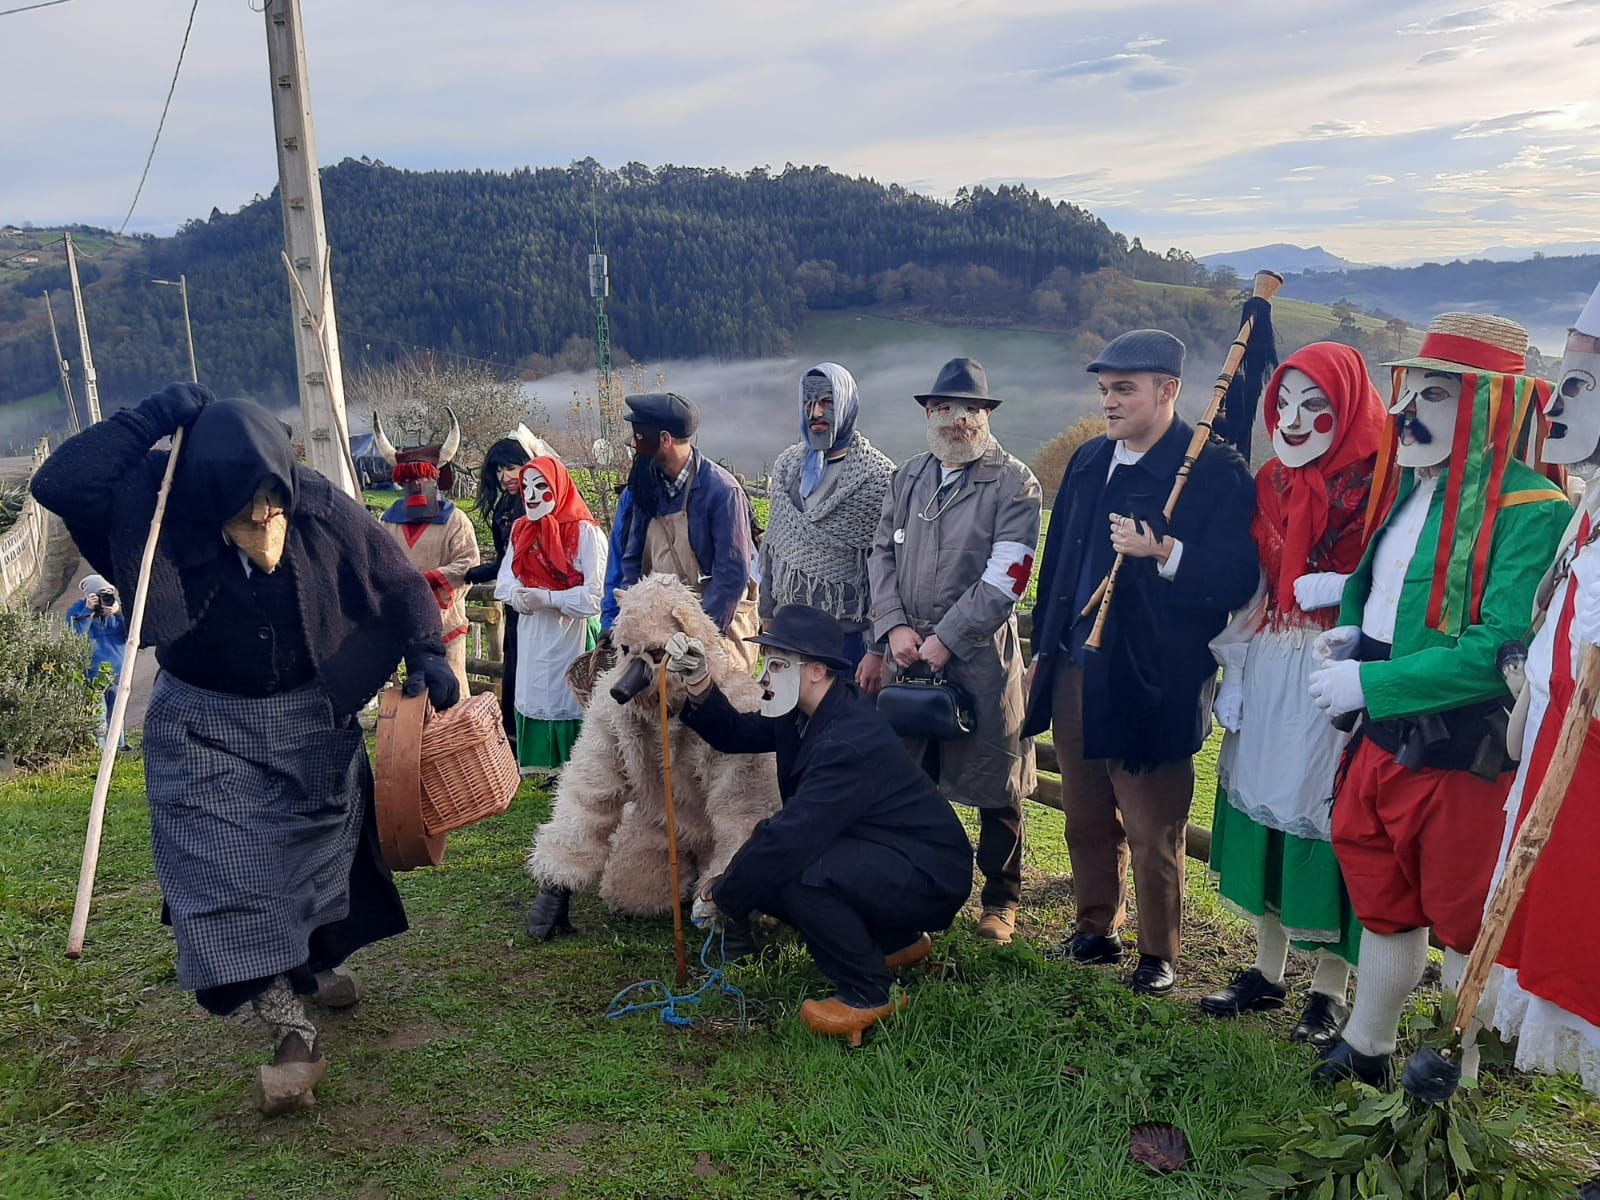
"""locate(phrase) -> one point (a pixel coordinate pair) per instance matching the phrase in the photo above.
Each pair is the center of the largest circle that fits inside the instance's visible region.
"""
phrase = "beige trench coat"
(928, 574)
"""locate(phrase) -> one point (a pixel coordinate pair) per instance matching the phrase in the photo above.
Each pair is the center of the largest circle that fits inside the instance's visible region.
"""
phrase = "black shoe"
(1342, 1061)
(548, 916)
(1322, 1021)
(1153, 976)
(1094, 949)
(1249, 992)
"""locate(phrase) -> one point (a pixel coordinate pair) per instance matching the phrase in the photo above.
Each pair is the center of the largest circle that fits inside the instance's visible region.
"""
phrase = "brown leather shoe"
(337, 988)
(910, 956)
(834, 1018)
(998, 924)
(287, 1084)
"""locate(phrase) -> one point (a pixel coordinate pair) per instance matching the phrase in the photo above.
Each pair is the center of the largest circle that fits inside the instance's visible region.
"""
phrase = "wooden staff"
(672, 831)
(1267, 284)
(119, 710)
(1531, 839)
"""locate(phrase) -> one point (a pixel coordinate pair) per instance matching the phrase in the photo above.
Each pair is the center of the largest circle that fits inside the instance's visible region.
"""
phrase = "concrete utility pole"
(316, 335)
(182, 284)
(91, 388)
(61, 362)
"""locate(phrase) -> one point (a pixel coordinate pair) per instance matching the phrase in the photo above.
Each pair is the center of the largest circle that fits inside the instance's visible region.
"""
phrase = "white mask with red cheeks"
(538, 497)
(1306, 420)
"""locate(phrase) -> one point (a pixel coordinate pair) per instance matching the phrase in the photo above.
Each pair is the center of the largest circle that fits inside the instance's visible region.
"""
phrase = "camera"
(108, 598)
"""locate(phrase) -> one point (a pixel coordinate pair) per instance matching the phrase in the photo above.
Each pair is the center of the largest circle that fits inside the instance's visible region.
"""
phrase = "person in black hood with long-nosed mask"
(277, 608)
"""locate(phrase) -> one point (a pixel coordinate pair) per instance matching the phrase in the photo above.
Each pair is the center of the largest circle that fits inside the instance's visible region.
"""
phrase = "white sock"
(1332, 976)
(1272, 949)
(1391, 966)
(1455, 966)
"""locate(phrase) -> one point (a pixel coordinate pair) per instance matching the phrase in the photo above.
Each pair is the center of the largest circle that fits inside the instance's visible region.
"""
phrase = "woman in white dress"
(553, 576)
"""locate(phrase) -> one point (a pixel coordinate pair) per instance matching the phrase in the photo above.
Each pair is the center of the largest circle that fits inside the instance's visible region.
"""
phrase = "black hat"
(1142, 350)
(961, 379)
(809, 632)
(666, 411)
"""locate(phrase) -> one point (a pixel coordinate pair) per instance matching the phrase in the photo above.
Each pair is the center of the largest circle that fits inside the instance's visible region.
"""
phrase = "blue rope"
(668, 1005)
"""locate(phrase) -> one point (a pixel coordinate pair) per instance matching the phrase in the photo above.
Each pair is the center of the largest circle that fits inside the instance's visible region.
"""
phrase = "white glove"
(1586, 606)
(705, 913)
(686, 658)
(1337, 644)
(1320, 589)
(1337, 687)
(530, 600)
(1229, 704)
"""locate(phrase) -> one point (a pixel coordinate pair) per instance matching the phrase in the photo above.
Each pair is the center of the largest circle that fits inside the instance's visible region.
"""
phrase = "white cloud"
(1465, 20)
(1379, 180)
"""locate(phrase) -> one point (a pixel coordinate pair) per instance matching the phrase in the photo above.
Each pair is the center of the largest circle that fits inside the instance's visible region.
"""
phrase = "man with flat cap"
(1129, 716)
(952, 556)
(682, 514)
(865, 856)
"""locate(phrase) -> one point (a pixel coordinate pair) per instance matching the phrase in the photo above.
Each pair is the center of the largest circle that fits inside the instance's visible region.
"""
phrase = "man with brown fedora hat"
(952, 557)
(1462, 533)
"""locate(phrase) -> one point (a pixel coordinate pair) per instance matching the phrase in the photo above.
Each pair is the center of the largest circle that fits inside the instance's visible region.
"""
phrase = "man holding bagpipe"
(1126, 684)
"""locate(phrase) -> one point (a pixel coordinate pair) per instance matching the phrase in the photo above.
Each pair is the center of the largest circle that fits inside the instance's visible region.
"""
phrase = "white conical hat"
(1589, 319)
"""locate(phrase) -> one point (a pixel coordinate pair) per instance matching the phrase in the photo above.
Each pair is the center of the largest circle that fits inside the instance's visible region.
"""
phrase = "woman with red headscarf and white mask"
(553, 575)
(1271, 849)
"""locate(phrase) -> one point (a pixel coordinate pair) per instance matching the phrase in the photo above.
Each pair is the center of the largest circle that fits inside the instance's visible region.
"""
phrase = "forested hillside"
(493, 266)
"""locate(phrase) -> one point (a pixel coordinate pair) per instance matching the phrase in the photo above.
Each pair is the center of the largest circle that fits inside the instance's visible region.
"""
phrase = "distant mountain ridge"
(1283, 257)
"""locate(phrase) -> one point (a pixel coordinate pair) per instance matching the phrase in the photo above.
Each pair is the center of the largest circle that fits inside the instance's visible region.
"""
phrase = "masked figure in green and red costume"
(1462, 534)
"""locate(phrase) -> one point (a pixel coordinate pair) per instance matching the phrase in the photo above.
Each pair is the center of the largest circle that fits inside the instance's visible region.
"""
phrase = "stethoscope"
(930, 517)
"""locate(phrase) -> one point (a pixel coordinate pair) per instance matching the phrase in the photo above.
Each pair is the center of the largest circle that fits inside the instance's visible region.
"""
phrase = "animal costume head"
(237, 476)
(1573, 408)
(1463, 405)
(828, 406)
(1325, 417)
(420, 471)
(648, 613)
(544, 540)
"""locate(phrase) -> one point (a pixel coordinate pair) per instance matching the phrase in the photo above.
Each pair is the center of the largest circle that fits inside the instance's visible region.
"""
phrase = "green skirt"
(545, 744)
(1265, 872)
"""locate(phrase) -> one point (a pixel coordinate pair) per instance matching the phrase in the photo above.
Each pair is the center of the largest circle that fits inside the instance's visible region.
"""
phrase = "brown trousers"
(1113, 815)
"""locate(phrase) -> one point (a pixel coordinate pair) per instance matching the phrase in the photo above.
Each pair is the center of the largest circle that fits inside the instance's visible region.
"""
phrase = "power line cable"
(31, 7)
(172, 87)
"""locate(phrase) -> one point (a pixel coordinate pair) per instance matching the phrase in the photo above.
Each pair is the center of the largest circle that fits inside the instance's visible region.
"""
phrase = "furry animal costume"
(609, 823)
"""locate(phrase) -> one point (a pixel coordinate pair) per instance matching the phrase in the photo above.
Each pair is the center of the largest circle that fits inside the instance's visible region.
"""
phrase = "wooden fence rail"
(22, 546)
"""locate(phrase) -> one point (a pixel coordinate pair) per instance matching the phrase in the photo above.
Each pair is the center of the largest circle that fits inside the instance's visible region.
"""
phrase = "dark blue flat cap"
(1142, 350)
(666, 411)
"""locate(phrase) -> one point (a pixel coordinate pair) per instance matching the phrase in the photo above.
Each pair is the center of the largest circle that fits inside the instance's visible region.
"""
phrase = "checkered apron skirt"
(255, 813)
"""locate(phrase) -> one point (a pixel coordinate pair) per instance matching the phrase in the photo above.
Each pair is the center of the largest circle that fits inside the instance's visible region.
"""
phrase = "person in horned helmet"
(1271, 847)
(1459, 543)
(437, 537)
(1546, 990)
(827, 493)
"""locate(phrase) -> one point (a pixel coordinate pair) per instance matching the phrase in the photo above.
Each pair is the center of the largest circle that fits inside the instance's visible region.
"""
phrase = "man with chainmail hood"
(951, 558)
(277, 607)
(827, 494)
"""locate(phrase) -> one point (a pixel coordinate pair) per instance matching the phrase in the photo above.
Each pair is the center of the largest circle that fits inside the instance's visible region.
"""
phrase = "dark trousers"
(999, 844)
(508, 677)
(1115, 816)
(858, 902)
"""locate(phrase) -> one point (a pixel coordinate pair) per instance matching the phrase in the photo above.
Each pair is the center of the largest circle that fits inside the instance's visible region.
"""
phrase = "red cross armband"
(1009, 569)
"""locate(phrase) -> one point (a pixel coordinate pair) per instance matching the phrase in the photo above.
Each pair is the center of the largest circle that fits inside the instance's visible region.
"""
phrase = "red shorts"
(1418, 848)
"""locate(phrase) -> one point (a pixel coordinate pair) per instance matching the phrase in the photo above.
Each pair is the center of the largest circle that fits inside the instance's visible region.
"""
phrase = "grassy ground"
(481, 1065)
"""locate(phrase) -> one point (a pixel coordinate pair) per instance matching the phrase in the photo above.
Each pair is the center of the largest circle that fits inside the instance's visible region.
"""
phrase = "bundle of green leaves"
(48, 709)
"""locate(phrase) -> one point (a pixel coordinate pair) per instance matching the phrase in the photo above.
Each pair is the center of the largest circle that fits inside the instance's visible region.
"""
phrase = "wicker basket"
(468, 770)
(587, 668)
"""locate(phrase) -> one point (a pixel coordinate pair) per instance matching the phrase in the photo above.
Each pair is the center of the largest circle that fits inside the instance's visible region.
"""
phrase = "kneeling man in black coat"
(865, 856)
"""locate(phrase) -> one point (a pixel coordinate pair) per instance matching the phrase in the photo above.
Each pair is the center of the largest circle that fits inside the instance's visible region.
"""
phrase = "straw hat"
(1471, 343)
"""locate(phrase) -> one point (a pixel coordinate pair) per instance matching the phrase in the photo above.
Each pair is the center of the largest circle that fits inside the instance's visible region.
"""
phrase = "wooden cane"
(1531, 840)
(1267, 284)
(119, 710)
(672, 832)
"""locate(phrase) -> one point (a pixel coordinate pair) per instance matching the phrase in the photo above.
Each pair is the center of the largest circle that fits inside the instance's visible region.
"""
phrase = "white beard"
(951, 448)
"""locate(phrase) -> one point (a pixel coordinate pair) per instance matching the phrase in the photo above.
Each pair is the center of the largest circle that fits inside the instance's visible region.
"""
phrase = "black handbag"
(927, 705)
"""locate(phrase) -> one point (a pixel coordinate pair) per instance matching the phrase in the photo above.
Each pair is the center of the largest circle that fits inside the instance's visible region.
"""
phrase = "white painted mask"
(1306, 420)
(781, 680)
(1574, 408)
(538, 497)
(1427, 406)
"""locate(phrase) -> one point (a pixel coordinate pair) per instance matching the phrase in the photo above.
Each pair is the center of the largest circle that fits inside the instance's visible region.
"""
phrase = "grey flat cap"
(666, 411)
(1142, 350)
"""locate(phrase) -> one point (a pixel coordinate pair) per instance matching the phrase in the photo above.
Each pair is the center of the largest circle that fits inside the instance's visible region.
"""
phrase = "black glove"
(174, 407)
(429, 669)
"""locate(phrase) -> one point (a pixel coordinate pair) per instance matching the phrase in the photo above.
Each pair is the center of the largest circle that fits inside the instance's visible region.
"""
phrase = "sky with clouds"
(1382, 130)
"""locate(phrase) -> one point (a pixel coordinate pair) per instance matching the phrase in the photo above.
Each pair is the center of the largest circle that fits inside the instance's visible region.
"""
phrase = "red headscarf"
(1297, 507)
(544, 553)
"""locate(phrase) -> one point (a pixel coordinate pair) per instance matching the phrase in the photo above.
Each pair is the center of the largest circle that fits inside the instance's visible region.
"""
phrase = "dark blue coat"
(719, 532)
(847, 775)
(1143, 691)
